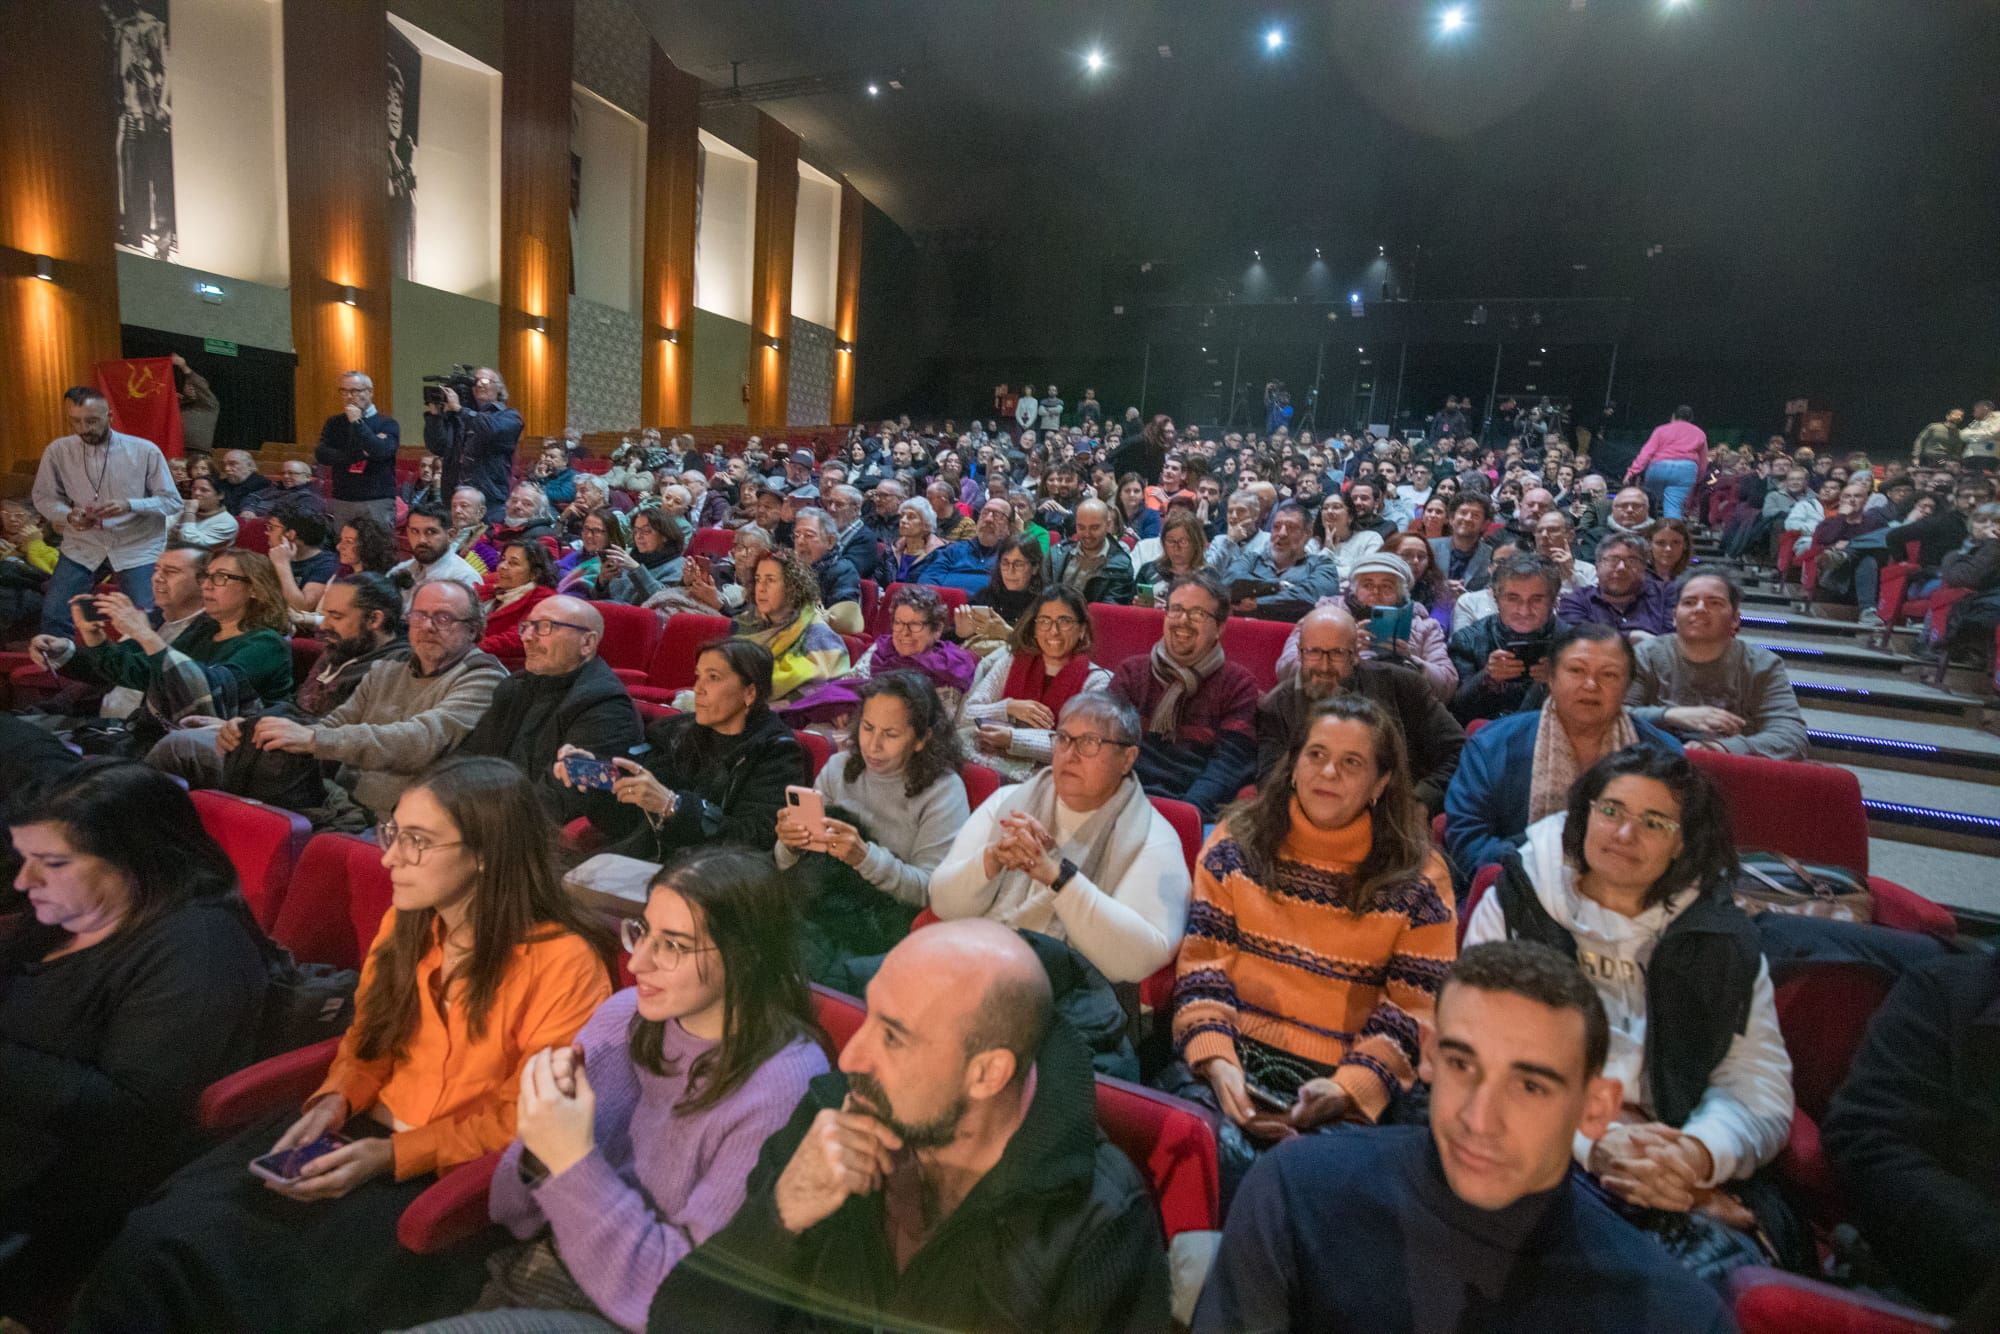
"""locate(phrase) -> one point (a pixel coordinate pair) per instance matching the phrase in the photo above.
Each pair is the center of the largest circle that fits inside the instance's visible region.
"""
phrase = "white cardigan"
(986, 702)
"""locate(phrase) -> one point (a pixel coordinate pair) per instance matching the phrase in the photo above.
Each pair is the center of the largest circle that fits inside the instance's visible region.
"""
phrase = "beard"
(346, 650)
(870, 1098)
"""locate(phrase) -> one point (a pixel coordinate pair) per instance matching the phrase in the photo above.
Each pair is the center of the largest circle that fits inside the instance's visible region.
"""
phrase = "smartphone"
(808, 804)
(704, 564)
(1530, 651)
(86, 608)
(284, 1167)
(1264, 1097)
(589, 774)
(1386, 625)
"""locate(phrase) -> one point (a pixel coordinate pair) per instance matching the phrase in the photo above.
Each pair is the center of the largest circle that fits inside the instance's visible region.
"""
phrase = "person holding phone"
(1332, 857)
(1010, 713)
(481, 962)
(653, 563)
(1502, 659)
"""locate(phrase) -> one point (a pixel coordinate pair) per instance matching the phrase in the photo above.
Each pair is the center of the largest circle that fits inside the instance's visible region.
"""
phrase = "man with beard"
(470, 537)
(404, 716)
(431, 556)
(1329, 665)
(1625, 597)
(950, 1175)
(110, 498)
(1302, 577)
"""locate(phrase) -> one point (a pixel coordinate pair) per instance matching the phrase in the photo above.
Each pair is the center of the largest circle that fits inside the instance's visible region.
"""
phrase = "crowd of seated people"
(695, 1151)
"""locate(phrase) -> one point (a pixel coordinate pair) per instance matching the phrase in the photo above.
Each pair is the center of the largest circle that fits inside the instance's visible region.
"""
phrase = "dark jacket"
(1936, 537)
(477, 446)
(730, 787)
(1300, 587)
(1652, 610)
(1433, 736)
(532, 717)
(1914, 1133)
(1476, 566)
(235, 493)
(838, 581)
(1113, 581)
(861, 550)
(1479, 696)
(1061, 1235)
(360, 456)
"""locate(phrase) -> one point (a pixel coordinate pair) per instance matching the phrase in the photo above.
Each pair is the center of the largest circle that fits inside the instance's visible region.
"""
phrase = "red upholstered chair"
(840, 1015)
(305, 655)
(1813, 812)
(263, 843)
(980, 783)
(1256, 645)
(339, 894)
(871, 594)
(630, 636)
(1481, 882)
(1157, 991)
(1118, 633)
(251, 535)
(650, 713)
(28, 684)
(711, 542)
(671, 667)
(818, 747)
(1770, 1301)
(857, 645)
(1823, 1012)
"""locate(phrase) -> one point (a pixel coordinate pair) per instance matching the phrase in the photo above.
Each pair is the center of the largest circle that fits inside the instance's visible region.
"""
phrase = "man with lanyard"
(110, 498)
(477, 446)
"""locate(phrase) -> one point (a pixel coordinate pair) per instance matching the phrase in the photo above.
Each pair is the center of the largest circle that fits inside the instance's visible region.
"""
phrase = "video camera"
(459, 378)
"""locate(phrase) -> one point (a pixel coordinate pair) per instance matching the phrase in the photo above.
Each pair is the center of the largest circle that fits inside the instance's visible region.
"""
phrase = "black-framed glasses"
(409, 842)
(1191, 614)
(1085, 744)
(637, 938)
(535, 629)
(1056, 622)
(214, 577)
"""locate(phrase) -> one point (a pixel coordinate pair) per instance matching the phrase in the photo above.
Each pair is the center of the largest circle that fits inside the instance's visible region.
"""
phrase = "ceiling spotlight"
(1094, 61)
(1360, 349)
(1257, 254)
(1452, 19)
(874, 90)
(1274, 38)
(1315, 252)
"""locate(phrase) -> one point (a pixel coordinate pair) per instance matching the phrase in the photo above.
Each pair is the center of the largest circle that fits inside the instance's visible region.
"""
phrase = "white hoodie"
(1746, 1114)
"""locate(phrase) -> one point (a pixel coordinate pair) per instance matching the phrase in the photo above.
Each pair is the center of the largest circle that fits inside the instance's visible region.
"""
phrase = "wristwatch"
(1064, 870)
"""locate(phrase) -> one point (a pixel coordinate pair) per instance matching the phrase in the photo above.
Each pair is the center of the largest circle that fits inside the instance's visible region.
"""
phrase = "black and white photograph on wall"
(145, 144)
(406, 85)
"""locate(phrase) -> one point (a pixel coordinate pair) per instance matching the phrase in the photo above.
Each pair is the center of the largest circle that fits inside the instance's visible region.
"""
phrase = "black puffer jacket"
(1061, 1235)
(730, 787)
(1479, 695)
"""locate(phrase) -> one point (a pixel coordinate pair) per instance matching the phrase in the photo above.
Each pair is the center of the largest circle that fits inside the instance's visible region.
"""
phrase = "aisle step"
(1858, 748)
(1961, 881)
(1799, 623)
(1849, 657)
(1956, 831)
(1904, 700)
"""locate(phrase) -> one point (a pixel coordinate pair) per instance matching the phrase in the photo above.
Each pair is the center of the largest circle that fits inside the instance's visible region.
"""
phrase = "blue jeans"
(70, 578)
(1675, 479)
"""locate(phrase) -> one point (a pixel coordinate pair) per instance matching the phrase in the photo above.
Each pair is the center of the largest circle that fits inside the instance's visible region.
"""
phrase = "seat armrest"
(450, 1211)
(234, 1101)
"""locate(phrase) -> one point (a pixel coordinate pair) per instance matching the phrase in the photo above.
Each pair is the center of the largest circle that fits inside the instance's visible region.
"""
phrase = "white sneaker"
(1871, 619)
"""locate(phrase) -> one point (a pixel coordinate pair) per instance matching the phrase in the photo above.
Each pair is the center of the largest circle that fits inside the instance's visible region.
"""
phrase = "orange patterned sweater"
(1286, 966)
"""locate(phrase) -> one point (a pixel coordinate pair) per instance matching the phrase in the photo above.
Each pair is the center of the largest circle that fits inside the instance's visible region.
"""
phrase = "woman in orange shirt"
(481, 962)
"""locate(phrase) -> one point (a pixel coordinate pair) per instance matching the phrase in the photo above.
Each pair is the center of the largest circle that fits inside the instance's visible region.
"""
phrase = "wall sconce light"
(773, 343)
(348, 296)
(45, 268)
(539, 323)
(672, 335)
(843, 346)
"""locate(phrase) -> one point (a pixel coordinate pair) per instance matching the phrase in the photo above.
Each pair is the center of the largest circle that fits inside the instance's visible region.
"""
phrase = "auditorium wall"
(159, 295)
(725, 223)
(809, 385)
(604, 356)
(455, 165)
(608, 154)
(815, 247)
(225, 77)
(723, 352)
(429, 331)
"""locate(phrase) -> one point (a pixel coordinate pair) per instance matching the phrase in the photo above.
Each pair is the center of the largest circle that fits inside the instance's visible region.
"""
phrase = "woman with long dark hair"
(134, 978)
(482, 961)
(1010, 713)
(635, 1145)
(894, 802)
(1332, 857)
(1637, 874)
(652, 565)
(990, 615)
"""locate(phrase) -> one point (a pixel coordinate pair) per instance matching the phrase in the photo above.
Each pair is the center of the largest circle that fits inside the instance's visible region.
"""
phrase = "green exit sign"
(221, 347)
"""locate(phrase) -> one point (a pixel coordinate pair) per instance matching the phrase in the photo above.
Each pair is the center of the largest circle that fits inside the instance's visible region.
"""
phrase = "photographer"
(477, 446)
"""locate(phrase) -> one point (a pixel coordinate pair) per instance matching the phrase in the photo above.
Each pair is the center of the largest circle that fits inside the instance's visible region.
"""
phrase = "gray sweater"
(910, 834)
(1746, 680)
(397, 724)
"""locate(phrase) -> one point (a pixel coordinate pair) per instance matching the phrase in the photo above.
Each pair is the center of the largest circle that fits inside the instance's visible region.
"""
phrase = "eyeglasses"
(410, 843)
(1651, 821)
(1017, 566)
(1191, 614)
(1086, 744)
(536, 629)
(1327, 655)
(633, 933)
(1056, 622)
(213, 577)
(913, 627)
(437, 620)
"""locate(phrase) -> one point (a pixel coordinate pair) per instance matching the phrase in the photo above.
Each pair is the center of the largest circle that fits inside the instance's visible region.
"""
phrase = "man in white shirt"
(432, 557)
(110, 498)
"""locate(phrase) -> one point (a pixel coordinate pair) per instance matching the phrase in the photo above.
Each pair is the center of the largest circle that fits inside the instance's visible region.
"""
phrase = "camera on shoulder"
(459, 379)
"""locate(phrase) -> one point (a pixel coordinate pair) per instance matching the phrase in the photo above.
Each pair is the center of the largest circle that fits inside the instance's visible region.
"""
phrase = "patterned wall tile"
(613, 54)
(811, 391)
(604, 353)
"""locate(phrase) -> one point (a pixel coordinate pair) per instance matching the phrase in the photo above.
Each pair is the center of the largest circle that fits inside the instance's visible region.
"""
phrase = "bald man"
(567, 696)
(1092, 562)
(865, 1204)
(240, 480)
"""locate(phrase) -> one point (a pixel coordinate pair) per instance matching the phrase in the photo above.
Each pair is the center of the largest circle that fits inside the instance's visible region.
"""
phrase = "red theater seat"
(1481, 882)
(839, 1015)
(1770, 1301)
(980, 783)
(1118, 633)
(263, 843)
(1256, 645)
(1823, 1013)
(714, 543)
(870, 595)
(630, 635)
(671, 667)
(953, 598)
(818, 748)
(338, 897)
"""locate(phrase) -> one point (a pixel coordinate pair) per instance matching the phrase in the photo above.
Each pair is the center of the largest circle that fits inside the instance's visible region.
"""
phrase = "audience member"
(427, 487)
(357, 446)
(1340, 540)
(1077, 852)
(1520, 769)
(527, 514)
(915, 643)
(1476, 1222)
(1464, 558)
(1242, 536)
(581, 570)
(240, 481)
(1091, 563)
(1331, 858)
(471, 537)
(524, 579)
(295, 482)
(916, 543)
(784, 616)
(856, 542)
(1199, 744)
(476, 443)
(958, 1079)
(1183, 551)
(968, 565)
(483, 957)
(1327, 663)
(1301, 576)
(1672, 544)
(653, 564)
(1009, 715)
(815, 538)
(893, 803)
(553, 474)
(990, 616)
(431, 554)
(295, 534)
(1673, 461)
(1502, 659)
(1706, 685)
(177, 606)
(1624, 597)
(1633, 880)
(203, 521)
(1383, 581)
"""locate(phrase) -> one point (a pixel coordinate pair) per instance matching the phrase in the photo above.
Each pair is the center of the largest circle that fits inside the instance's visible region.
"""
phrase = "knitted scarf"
(1555, 767)
(1181, 682)
(943, 662)
(1103, 847)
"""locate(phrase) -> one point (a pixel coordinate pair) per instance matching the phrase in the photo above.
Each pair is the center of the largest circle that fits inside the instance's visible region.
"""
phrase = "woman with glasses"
(893, 802)
(1008, 716)
(236, 658)
(582, 573)
(915, 643)
(525, 579)
(481, 962)
(653, 564)
(635, 1145)
(1183, 551)
(1339, 539)
(1330, 860)
(989, 616)
(1633, 875)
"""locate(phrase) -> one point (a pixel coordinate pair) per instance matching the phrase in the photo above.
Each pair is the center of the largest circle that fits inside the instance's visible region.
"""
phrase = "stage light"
(45, 268)
(1094, 62)
(349, 297)
(1257, 255)
(1315, 252)
(1354, 306)
(874, 90)
(1452, 19)
(1274, 39)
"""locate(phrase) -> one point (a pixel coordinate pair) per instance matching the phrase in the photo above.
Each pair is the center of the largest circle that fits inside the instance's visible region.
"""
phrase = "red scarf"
(1027, 679)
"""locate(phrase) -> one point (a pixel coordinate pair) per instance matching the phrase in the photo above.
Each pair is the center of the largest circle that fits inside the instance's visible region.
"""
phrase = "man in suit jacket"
(1464, 558)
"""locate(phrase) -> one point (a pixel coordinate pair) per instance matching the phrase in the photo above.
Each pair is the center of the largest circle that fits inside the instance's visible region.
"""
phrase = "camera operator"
(477, 446)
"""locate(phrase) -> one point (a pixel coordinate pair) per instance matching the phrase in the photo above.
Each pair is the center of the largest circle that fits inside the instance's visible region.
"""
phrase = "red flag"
(143, 400)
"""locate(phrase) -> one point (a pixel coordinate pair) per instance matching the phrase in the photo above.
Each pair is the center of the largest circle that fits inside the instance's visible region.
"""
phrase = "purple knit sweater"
(658, 1183)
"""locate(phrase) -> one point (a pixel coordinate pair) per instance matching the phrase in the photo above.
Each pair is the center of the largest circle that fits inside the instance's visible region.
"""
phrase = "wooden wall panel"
(771, 272)
(59, 198)
(666, 382)
(335, 175)
(847, 302)
(536, 43)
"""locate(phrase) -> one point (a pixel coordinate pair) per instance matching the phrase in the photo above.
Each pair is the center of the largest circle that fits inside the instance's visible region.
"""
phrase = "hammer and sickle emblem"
(140, 382)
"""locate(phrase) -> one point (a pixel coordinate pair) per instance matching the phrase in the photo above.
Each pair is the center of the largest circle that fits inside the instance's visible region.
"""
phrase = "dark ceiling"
(1783, 148)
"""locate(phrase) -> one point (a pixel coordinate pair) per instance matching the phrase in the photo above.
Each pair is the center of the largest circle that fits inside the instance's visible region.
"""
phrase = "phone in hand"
(1386, 625)
(704, 565)
(85, 605)
(587, 773)
(1529, 651)
(1265, 1097)
(284, 1166)
(810, 807)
